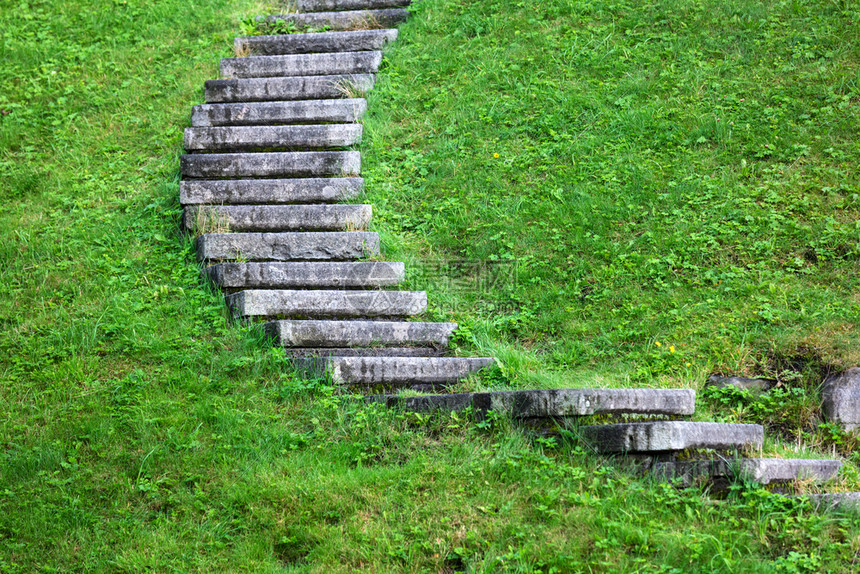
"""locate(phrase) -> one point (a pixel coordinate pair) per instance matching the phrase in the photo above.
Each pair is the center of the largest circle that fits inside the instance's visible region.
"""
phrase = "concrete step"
(277, 218)
(316, 42)
(303, 353)
(289, 88)
(551, 403)
(325, 64)
(347, 20)
(337, 5)
(244, 138)
(761, 470)
(403, 371)
(327, 303)
(269, 191)
(359, 333)
(278, 113)
(273, 164)
(325, 245)
(308, 275)
(668, 436)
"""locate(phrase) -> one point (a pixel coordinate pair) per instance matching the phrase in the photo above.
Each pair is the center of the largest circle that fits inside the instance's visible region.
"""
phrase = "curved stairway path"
(268, 166)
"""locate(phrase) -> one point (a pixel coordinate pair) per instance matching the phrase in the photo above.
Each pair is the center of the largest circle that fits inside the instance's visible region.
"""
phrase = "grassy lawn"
(622, 175)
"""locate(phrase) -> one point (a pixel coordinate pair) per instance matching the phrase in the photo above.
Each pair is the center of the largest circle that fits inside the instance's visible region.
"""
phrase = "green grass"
(140, 431)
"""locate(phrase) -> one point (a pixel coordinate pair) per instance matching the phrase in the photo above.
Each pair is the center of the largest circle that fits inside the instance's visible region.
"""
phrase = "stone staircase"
(263, 184)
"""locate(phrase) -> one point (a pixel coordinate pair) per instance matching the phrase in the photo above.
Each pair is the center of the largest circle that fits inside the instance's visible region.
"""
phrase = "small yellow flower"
(658, 343)
(495, 155)
(671, 348)
(686, 364)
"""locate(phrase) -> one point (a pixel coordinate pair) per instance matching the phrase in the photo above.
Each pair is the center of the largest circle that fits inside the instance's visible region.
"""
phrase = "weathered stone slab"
(277, 218)
(337, 5)
(325, 64)
(347, 20)
(310, 275)
(359, 333)
(327, 303)
(316, 42)
(275, 113)
(273, 164)
(243, 138)
(761, 470)
(333, 245)
(755, 385)
(404, 371)
(666, 436)
(289, 88)
(840, 501)
(269, 191)
(301, 354)
(552, 403)
(841, 398)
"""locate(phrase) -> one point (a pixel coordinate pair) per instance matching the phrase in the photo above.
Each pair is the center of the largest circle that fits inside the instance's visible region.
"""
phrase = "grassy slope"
(139, 431)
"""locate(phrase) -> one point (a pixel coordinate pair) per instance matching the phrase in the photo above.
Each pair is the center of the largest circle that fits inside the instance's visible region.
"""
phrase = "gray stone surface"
(275, 113)
(277, 218)
(316, 42)
(269, 191)
(272, 164)
(755, 385)
(335, 5)
(289, 88)
(840, 396)
(326, 64)
(332, 245)
(327, 303)
(404, 371)
(316, 352)
(243, 138)
(761, 470)
(347, 20)
(666, 436)
(310, 275)
(543, 403)
(359, 333)
(841, 501)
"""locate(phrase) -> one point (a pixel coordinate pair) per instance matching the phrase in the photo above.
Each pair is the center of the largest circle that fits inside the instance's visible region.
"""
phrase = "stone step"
(324, 64)
(303, 353)
(277, 113)
(269, 191)
(272, 164)
(336, 5)
(327, 303)
(316, 42)
(347, 20)
(761, 470)
(403, 371)
(243, 138)
(289, 88)
(310, 275)
(839, 501)
(325, 245)
(550, 403)
(666, 436)
(277, 218)
(359, 333)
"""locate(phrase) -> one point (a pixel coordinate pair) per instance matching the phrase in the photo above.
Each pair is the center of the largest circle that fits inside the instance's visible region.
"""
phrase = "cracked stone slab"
(327, 303)
(665, 436)
(277, 217)
(274, 113)
(339, 5)
(236, 138)
(404, 371)
(289, 333)
(310, 275)
(323, 64)
(308, 245)
(316, 42)
(288, 88)
(269, 191)
(761, 470)
(346, 20)
(840, 396)
(271, 164)
(550, 403)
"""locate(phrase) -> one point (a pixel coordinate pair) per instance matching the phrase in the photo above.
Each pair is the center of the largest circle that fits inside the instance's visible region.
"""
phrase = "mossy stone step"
(271, 164)
(403, 371)
(309, 275)
(344, 20)
(277, 217)
(287, 246)
(324, 64)
(288, 333)
(288, 88)
(761, 470)
(278, 113)
(336, 5)
(672, 436)
(315, 42)
(269, 191)
(315, 304)
(246, 138)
